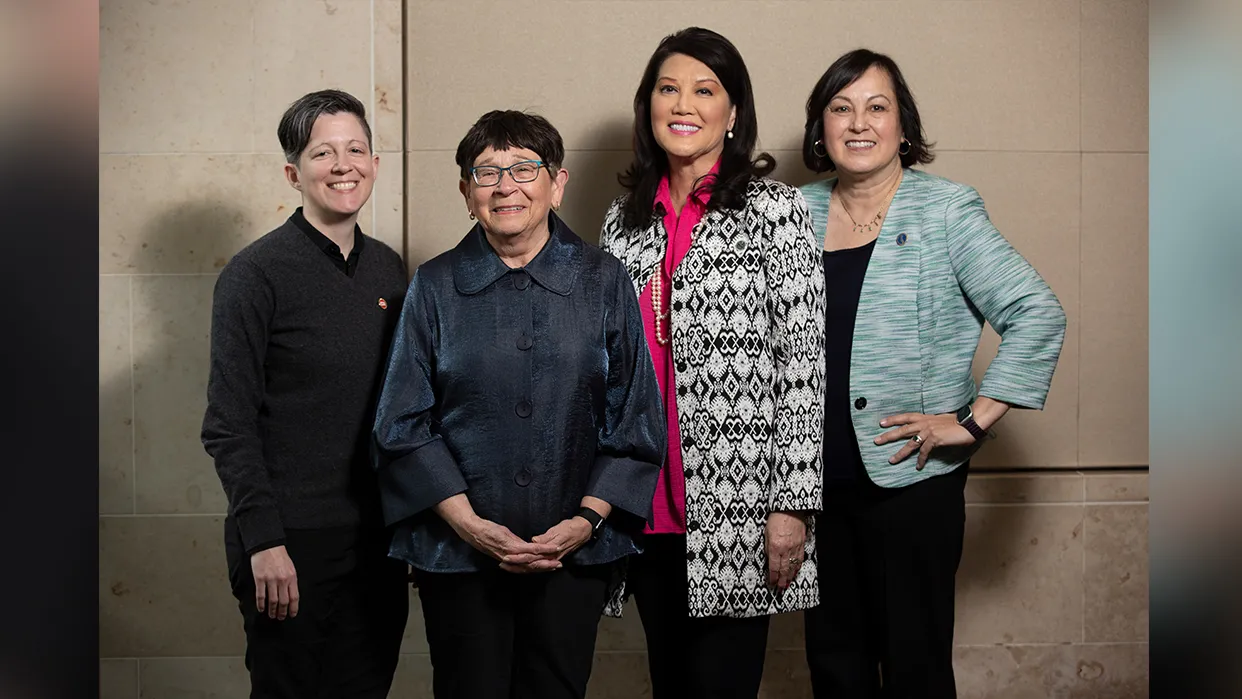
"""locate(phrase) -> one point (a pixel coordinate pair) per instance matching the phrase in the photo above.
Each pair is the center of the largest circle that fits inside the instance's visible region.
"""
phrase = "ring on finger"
(917, 439)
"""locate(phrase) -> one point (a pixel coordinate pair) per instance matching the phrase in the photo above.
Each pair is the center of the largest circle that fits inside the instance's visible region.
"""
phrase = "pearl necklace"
(663, 315)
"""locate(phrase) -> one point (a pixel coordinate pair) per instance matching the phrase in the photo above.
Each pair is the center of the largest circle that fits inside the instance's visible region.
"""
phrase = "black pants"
(346, 638)
(498, 635)
(691, 658)
(887, 561)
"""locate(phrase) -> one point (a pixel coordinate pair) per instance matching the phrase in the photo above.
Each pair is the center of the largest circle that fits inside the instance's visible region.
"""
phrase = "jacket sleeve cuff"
(419, 480)
(264, 545)
(996, 387)
(624, 483)
(259, 529)
(803, 491)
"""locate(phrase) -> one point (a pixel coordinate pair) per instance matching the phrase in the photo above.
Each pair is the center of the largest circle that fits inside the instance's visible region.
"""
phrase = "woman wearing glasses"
(519, 430)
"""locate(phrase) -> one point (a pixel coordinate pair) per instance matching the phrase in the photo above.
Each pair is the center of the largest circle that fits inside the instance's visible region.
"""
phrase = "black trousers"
(498, 635)
(346, 638)
(691, 658)
(887, 561)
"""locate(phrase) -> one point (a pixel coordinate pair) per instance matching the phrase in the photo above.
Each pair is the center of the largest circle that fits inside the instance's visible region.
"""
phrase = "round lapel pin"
(901, 238)
(383, 304)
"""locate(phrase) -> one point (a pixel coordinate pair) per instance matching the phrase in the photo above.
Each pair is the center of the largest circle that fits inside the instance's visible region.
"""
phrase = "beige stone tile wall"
(190, 172)
(1040, 104)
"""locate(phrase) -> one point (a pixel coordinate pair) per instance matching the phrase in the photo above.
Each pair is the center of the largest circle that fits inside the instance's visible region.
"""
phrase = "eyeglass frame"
(500, 175)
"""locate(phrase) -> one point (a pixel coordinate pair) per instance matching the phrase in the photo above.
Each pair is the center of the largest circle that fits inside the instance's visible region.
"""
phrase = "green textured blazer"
(938, 271)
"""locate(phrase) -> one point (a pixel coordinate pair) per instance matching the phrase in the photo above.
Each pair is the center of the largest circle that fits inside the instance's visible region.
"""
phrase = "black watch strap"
(966, 418)
(595, 518)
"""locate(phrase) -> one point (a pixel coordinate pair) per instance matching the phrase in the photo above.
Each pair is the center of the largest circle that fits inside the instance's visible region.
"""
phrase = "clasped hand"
(542, 553)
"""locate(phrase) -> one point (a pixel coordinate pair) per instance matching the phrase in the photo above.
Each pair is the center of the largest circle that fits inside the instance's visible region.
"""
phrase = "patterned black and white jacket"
(748, 346)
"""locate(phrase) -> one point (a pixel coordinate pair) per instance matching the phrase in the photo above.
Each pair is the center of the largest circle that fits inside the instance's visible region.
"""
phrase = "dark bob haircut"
(737, 168)
(505, 129)
(299, 119)
(840, 74)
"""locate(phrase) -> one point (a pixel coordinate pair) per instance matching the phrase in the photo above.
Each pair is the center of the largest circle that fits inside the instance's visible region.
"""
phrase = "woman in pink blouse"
(731, 292)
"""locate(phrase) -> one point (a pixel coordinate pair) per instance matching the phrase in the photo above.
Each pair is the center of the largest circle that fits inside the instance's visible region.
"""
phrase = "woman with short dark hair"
(912, 267)
(301, 321)
(732, 302)
(519, 429)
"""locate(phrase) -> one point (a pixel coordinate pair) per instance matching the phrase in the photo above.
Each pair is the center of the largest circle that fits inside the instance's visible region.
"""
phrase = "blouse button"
(524, 342)
(522, 478)
(860, 403)
(522, 408)
(521, 280)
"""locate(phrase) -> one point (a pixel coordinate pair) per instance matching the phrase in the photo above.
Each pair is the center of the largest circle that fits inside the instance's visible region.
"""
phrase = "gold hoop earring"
(908, 146)
(818, 146)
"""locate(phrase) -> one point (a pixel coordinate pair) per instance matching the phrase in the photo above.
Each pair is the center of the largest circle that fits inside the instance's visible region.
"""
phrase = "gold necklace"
(879, 215)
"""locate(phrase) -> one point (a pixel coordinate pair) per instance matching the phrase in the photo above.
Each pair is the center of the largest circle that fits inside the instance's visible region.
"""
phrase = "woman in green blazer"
(912, 267)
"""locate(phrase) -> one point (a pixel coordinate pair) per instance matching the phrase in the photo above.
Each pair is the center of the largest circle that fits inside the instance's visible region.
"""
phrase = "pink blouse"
(669, 506)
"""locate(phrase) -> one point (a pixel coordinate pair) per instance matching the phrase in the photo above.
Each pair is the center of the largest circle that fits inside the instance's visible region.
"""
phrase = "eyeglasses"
(489, 175)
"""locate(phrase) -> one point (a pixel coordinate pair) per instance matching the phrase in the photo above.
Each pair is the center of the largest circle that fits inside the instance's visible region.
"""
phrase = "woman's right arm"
(415, 467)
(241, 315)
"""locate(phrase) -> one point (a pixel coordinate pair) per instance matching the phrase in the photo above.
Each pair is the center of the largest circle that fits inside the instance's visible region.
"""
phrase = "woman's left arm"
(1020, 307)
(1014, 299)
(634, 436)
(795, 287)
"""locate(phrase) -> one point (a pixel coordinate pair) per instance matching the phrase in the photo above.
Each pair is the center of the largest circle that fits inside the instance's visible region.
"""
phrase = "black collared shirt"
(331, 249)
(525, 389)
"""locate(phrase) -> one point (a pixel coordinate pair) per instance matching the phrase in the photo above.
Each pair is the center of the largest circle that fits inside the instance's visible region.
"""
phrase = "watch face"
(963, 413)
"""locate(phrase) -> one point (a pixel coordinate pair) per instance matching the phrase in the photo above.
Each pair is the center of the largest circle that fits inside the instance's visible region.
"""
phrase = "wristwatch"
(594, 518)
(966, 418)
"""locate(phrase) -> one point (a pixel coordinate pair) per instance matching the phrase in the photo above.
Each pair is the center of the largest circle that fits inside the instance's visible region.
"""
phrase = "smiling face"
(336, 172)
(690, 111)
(862, 125)
(511, 209)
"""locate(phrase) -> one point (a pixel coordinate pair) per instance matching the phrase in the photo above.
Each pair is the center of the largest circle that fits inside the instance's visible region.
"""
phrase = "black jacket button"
(524, 342)
(860, 403)
(522, 478)
(521, 280)
(522, 408)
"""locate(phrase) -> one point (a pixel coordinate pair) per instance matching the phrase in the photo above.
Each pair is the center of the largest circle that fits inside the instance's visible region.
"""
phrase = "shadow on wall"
(172, 329)
(593, 178)
(144, 562)
(200, 236)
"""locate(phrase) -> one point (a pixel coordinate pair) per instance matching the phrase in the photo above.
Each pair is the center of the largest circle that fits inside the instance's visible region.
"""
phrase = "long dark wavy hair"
(737, 167)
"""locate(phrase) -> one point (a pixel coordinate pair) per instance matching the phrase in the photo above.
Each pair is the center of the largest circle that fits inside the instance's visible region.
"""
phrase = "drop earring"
(729, 133)
(471, 215)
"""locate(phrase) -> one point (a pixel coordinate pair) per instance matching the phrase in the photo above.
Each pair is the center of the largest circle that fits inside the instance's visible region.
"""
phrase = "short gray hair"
(295, 127)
